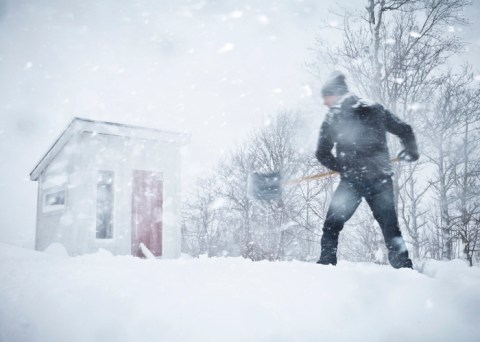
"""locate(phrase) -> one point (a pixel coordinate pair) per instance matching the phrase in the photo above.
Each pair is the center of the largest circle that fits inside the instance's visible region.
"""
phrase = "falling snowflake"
(307, 91)
(218, 203)
(263, 19)
(415, 34)
(390, 41)
(414, 106)
(227, 48)
(236, 14)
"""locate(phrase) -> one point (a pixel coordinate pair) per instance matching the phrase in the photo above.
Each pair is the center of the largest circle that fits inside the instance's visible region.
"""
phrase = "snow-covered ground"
(50, 297)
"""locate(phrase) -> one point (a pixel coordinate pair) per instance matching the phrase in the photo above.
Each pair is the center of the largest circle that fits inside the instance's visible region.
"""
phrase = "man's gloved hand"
(408, 155)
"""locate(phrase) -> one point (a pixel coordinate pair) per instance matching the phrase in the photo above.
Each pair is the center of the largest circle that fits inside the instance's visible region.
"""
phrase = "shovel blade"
(265, 186)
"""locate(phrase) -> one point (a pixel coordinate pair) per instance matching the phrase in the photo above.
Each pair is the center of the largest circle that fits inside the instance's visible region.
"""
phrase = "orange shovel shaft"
(323, 175)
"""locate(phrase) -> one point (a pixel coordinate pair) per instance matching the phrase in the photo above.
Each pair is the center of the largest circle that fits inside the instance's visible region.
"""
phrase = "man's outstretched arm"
(404, 131)
(324, 148)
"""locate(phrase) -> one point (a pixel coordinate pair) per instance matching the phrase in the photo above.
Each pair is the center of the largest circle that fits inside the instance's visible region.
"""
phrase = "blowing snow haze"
(212, 68)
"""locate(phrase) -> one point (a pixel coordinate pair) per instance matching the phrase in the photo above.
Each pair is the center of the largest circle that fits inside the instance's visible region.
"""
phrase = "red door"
(147, 212)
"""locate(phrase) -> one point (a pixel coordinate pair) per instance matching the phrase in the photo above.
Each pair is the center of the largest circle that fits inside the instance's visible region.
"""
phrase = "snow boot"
(328, 256)
(400, 260)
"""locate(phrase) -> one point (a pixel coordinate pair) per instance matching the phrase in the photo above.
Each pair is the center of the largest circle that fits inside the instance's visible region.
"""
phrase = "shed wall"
(78, 164)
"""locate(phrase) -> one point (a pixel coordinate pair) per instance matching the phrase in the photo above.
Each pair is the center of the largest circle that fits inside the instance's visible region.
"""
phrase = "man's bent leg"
(381, 200)
(344, 202)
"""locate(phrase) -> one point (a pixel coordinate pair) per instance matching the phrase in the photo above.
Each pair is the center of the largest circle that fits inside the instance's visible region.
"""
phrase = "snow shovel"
(268, 186)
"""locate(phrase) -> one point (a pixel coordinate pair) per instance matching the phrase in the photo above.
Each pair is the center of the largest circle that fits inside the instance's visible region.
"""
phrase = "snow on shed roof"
(79, 125)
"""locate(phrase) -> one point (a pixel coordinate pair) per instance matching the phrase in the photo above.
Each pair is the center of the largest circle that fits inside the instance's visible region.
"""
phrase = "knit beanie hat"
(335, 85)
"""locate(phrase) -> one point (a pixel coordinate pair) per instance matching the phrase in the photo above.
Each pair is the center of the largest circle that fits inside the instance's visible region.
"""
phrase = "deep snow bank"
(105, 298)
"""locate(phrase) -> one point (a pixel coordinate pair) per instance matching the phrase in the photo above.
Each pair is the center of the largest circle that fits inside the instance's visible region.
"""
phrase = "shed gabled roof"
(80, 125)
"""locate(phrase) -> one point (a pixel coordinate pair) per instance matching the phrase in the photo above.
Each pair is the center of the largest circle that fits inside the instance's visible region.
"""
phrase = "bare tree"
(233, 174)
(259, 225)
(309, 207)
(392, 49)
(362, 239)
(274, 148)
(443, 127)
(467, 186)
(202, 219)
(412, 211)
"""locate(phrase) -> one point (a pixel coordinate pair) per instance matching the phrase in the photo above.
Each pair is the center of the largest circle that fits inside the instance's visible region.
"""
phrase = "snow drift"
(100, 297)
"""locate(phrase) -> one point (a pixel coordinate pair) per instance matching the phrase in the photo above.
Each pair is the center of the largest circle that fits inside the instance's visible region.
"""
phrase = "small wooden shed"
(111, 186)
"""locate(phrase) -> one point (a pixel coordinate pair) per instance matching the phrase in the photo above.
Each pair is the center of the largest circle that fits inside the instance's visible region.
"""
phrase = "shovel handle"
(324, 174)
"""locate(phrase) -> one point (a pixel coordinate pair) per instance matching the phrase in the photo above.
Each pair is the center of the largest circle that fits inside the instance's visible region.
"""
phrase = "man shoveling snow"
(358, 130)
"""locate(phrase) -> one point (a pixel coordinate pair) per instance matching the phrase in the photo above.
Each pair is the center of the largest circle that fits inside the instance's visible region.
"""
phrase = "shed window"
(105, 183)
(54, 200)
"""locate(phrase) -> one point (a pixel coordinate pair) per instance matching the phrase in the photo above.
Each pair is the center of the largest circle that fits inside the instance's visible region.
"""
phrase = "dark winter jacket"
(358, 130)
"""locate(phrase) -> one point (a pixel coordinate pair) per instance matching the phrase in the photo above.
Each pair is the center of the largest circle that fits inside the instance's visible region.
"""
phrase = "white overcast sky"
(214, 68)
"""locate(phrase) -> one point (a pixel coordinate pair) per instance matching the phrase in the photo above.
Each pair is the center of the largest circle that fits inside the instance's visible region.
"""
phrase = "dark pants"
(346, 199)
